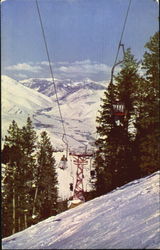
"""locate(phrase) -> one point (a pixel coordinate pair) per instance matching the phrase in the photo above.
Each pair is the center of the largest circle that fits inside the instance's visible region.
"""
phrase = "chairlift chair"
(71, 186)
(119, 109)
(119, 112)
(63, 162)
(92, 173)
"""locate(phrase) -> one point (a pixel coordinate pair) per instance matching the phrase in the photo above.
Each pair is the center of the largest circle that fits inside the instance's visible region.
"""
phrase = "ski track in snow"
(126, 218)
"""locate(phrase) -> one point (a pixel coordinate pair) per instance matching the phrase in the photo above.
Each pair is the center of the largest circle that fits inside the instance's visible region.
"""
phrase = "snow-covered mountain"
(19, 101)
(126, 218)
(79, 103)
(64, 87)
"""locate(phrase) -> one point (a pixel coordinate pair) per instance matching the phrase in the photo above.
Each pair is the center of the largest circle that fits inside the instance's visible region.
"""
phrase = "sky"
(82, 36)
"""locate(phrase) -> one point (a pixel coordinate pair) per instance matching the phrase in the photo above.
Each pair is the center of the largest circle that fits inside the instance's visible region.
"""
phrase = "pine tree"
(148, 120)
(114, 161)
(28, 171)
(30, 179)
(106, 123)
(12, 156)
(29, 138)
(18, 155)
(46, 186)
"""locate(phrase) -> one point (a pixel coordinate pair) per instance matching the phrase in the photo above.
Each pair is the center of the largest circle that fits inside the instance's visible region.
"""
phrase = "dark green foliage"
(19, 172)
(127, 81)
(46, 179)
(124, 154)
(24, 168)
(114, 159)
(13, 157)
(148, 119)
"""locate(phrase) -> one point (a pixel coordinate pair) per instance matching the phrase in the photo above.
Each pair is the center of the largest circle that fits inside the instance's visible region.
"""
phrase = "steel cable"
(64, 138)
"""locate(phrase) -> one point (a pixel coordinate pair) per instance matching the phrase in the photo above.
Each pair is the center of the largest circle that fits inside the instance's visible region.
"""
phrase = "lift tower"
(79, 160)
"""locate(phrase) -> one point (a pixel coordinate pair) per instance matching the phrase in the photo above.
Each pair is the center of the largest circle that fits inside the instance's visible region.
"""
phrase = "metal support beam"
(80, 160)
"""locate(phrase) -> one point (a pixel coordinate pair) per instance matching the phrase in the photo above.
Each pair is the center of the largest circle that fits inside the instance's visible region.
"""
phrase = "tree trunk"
(25, 220)
(34, 202)
(14, 212)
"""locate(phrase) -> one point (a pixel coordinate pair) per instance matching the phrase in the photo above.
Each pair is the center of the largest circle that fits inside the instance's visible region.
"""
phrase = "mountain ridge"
(46, 85)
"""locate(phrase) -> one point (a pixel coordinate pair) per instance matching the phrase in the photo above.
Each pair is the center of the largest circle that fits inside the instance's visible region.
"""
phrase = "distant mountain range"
(46, 86)
(35, 97)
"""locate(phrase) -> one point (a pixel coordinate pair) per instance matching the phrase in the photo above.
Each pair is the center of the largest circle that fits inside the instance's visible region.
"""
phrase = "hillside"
(79, 103)
(126, 218)
(18, 102)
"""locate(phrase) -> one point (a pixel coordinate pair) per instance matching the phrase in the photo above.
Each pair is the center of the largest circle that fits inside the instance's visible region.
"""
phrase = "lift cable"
(64, 137)
(123, 29)
(119, 46)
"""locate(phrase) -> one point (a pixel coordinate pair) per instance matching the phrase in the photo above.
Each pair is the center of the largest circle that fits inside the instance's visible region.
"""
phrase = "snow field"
(78, 107)
(126, 218)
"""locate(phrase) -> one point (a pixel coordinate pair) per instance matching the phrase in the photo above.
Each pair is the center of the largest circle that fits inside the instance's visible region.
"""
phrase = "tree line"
(29, 185)
(130, 149)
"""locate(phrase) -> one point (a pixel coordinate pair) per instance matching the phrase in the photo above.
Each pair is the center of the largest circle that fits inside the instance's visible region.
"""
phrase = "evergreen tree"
(46, 186)
(106, 124)
(30, 180)
(127, 81)
(11, 157)
(18, 156)
(148, 119)
(114, 161)
(28, 170)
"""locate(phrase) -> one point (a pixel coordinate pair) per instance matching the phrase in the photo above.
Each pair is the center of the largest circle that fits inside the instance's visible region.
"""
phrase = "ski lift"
(63, 162)
(119, 109)
(92, 173)
(71, 186)
(119, 112)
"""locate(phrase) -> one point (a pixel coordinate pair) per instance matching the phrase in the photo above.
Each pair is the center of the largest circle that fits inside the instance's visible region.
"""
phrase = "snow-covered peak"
(13, 91)
(67, 86)
(126, 218)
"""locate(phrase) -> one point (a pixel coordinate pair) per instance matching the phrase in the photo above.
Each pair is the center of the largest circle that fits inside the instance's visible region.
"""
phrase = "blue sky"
(82, 36)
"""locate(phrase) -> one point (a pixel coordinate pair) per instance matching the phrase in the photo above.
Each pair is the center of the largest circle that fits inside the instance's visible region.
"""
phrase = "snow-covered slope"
(19, 101)
(79, 103)
(126, 218)
(79, 109)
